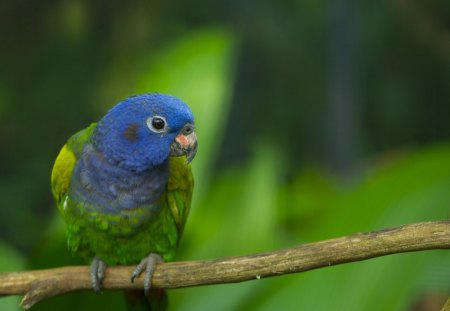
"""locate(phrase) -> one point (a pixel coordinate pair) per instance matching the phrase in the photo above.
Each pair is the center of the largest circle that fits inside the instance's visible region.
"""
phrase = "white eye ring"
(157, 124)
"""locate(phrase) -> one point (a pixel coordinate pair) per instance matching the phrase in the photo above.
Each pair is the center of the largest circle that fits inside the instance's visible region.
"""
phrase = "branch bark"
(40, 284)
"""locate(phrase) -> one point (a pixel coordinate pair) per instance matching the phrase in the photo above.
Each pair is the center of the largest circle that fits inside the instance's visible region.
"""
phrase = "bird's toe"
(97, 271)
(147, 265)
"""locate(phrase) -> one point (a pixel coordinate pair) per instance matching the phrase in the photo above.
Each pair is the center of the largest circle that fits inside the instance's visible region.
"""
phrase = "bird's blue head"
(143, 131)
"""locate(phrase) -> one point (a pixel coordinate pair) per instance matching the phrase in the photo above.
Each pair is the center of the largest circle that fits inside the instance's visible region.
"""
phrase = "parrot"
(124, 187)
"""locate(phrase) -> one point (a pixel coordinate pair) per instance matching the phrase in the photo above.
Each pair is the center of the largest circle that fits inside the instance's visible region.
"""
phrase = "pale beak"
(185, 143)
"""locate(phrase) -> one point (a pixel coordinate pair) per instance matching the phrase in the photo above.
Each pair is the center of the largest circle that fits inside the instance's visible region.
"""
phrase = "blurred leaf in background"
(197, 68)
(10, 261)
(409, 187)
(391, 194)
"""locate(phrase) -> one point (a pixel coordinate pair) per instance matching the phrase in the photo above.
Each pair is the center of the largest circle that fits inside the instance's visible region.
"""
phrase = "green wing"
(65, 162)
(179, 191)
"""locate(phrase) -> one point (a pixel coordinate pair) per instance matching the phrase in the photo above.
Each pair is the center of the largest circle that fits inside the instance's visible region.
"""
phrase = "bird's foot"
(97, 271)
(148, 265)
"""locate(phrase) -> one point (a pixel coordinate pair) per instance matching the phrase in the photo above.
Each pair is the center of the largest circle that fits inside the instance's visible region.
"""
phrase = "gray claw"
(97, 272)
(148, 264)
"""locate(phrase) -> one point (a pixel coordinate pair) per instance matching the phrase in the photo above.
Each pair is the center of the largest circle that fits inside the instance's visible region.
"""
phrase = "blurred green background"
(315, 119)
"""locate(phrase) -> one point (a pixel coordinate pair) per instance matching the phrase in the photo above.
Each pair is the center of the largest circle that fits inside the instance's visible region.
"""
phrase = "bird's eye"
(157, 124)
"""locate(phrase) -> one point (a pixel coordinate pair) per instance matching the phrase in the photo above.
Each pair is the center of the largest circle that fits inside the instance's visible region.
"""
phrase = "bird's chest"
(103, 188)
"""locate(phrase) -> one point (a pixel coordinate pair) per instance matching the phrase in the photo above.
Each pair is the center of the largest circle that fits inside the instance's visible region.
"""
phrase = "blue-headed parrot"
(124, 187)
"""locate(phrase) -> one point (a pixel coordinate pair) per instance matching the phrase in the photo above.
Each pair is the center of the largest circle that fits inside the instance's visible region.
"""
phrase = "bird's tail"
(156, 300)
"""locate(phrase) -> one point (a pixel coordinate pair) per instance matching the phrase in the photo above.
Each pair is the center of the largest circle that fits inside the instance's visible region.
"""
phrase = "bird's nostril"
(188, 129)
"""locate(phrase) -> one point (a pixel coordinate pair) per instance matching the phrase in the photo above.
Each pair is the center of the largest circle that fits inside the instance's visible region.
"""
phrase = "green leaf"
(197, 68)
(10, 261)
(241, 216)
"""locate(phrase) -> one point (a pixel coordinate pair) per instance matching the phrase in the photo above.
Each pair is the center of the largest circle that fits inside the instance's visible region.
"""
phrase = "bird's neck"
(113, 189)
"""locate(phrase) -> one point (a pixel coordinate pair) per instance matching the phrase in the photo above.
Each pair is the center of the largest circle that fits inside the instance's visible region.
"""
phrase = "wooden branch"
(41, 284)
(446, 307)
